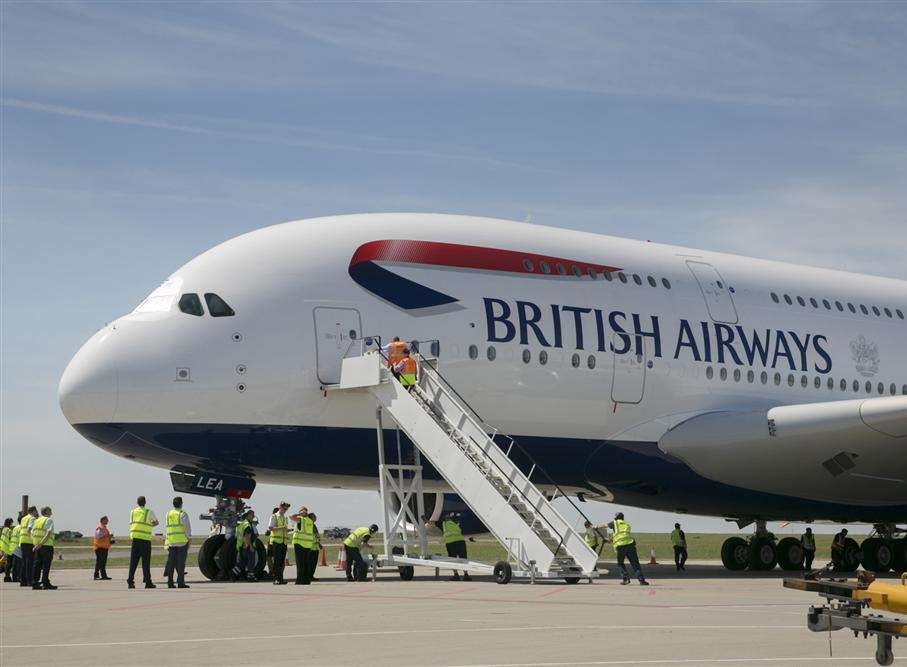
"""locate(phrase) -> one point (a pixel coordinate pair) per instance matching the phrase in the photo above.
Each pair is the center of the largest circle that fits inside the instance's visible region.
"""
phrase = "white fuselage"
(625, 361)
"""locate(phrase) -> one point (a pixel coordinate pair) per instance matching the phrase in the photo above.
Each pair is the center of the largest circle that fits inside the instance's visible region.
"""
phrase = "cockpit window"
(161, 299)
(217, 306)
(191, 304)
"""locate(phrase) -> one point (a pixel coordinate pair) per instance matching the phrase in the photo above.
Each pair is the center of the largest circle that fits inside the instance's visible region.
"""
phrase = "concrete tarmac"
(704, 616)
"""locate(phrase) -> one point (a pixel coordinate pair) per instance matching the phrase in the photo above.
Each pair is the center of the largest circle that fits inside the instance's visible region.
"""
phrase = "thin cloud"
(264, 135)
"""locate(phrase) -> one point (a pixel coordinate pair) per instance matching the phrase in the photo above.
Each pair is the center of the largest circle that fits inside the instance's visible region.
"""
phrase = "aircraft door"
(715, 291)
(336, 332)
(628, 381)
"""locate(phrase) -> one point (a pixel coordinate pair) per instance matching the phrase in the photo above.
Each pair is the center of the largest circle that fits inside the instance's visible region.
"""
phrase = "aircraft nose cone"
(89, 386)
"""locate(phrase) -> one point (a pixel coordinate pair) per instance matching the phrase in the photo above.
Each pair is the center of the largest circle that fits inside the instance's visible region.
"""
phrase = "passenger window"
(863, 309)
(850, 306)
(666, 283)
(900, 313)
(473, 352)
(543, 357)
(590, 362)
(622, 276)
(528, 265)
(191, 305)
(801, 301)
(787, 299)
(574, 361)
(813, 302)
(491, 353)
(652, 282)
(831, 383)
(888, 312)
(875, 310)
(637, 279)
(217, 306)
(527, 355)
(826, 304)
(608, 276)
(839, 306)
(775, 297)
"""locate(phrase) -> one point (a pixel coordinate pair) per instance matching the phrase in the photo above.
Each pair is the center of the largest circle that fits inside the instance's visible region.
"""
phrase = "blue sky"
(135, 136)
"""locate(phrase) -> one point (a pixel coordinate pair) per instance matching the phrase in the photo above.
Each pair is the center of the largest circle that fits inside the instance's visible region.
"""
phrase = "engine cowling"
(438, 505)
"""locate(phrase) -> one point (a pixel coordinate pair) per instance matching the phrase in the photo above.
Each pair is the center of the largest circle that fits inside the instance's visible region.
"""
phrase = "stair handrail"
(484, 426)
(488, 427)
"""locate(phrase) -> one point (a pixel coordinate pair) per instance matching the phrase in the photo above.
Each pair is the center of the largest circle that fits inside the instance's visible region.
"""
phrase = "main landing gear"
(885, 549)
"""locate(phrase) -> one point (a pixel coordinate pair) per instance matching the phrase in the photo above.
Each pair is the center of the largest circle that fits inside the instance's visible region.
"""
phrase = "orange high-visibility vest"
(395, 353)
(408, 374)
(102, 542)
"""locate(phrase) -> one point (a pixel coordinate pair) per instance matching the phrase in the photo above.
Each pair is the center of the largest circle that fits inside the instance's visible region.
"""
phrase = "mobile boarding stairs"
(540, 543)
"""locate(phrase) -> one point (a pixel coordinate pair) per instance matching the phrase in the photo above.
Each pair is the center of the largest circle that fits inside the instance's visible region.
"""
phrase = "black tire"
(503, 573)
(735, 554)
(899, 555)
(790, 554)
(206, 554)
(849, 560)
(877, 555)
(226, 557)
(262, 559)
(572, 580)
(407, 572)
(762, 554)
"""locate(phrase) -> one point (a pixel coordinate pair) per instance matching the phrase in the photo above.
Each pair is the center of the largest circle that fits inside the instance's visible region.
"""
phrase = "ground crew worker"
(625, 546)
(394, 352)
(141, 521)
(16, 554)
(316, 547)
(303, 545)
(838, 543)
(178, 536)
(593, 537)
(277, 526)
(246, 552)
(42, 533)
(406, 370)
(679, 540)
(452, 534)
(26, 546)
(101, 545)
(6, 538)
(808, 543)
(355, 566)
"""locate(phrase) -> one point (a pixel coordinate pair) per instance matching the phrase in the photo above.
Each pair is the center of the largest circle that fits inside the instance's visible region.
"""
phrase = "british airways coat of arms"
(865, 356)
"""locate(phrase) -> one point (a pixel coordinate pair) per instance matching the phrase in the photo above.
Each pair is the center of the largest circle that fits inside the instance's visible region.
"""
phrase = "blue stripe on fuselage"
(637, 474)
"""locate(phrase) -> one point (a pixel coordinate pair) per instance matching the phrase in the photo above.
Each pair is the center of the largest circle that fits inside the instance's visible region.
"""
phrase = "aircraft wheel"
(850, 559)
(899, 555)
(206, 554)
(878, 554)
(790, 554)
(762, 553)
(735, 553)
(262, 551)
(503, 573)
(406, 572)
(572, 580)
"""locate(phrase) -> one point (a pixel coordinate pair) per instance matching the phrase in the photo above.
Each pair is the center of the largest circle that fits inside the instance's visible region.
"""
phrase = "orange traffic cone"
(324, 557)
(341, 560)
(652, 560)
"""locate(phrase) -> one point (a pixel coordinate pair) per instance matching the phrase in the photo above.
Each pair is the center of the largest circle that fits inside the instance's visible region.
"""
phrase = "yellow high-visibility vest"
(279, 531)
(808, 540)
(591, 538)
(452, 532)
(305, 533)
(677, 539)
(354, 539)
(622, 535)
(176, 531)
(14, 538)
(24, 536)
(140, 524)
(38, 531)
(240, 531)
(5, 535)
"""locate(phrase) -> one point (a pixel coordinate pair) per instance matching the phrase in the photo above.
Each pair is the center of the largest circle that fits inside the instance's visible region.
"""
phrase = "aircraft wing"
(851, 452)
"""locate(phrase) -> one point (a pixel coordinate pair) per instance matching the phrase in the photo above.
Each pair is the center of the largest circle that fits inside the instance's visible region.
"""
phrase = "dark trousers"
(680, 557)
(100, 562)
(457, 550)
(356, 569)
(44, 558)
(628, 552)
(808, 556)
(176, 563)
(26, 567)
(313, 562)
(304, 569)
(140, 551)
(279, 555)
(13, 569)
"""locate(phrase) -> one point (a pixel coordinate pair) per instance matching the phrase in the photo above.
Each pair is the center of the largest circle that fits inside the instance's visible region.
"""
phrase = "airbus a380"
(637, 373)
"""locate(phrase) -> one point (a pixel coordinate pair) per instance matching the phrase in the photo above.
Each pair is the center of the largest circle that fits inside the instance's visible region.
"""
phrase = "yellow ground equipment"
(847, 602)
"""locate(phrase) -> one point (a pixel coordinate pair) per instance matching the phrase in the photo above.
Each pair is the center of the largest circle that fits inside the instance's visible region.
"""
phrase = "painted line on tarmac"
(380, 633)
(668, 661)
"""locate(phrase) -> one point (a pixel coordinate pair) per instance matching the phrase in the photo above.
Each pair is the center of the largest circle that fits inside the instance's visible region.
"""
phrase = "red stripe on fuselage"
(469, 257)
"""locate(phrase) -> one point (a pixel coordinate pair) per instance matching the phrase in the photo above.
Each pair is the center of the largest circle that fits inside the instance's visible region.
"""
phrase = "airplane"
(637, 373)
